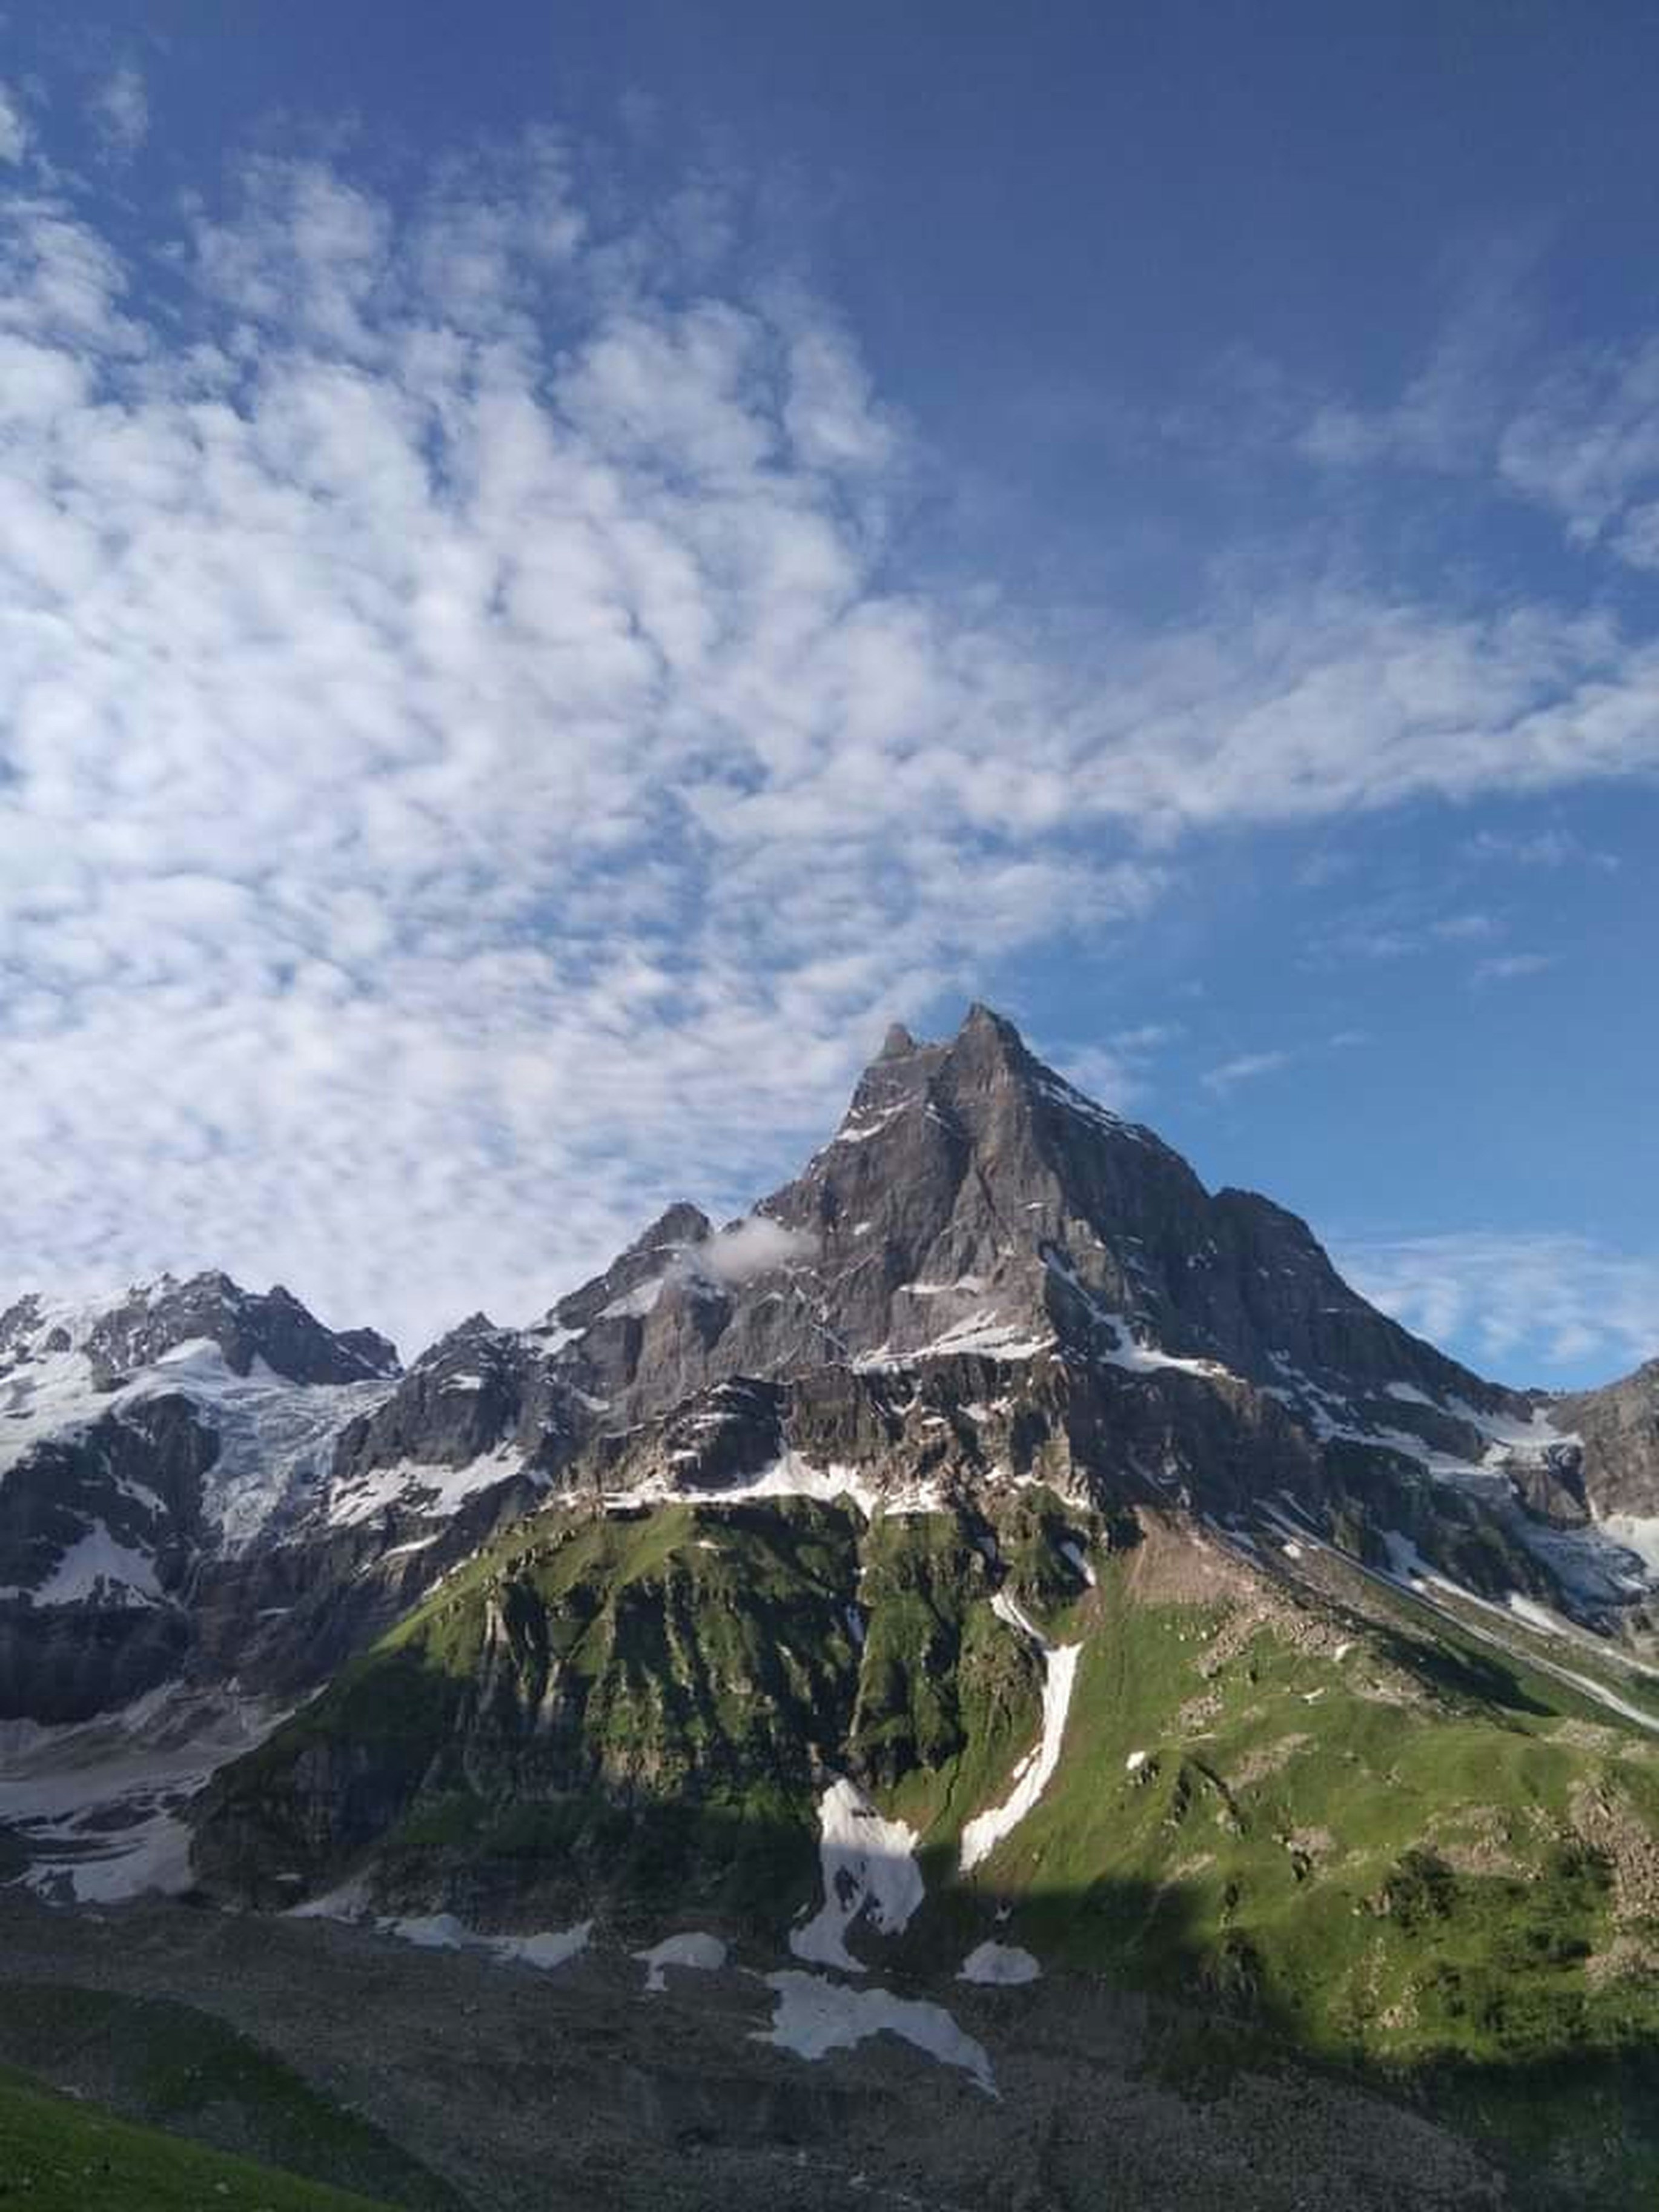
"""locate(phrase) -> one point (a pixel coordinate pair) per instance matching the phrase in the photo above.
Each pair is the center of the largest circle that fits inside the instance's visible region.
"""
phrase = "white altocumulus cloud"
(1246, 1068)
(1513, 1296)
(1572, 430)
(14, 128)
(119, 109)
(471, 768)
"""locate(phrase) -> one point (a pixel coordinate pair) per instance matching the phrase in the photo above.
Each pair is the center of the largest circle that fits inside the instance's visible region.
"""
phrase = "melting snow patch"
(1134, 1762)
(152, 1856)
(1535, 1616)
(442, 1931)
(703, 1954)
(349, 1902)
(421, 1488)
(1073, 1553)
(434, 1931)
(869, 1868)
(97, 1567)
(814, 2016)
(549, 1947)
(987, 1830)
(999, 1965)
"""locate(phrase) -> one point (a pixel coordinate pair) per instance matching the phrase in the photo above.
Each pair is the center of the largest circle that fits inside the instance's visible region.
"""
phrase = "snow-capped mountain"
(167, 1502)
(983, 1276)
(978, 1234)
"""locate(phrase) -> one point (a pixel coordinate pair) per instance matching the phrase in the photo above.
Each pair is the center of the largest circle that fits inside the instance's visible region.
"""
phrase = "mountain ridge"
(970, 1205)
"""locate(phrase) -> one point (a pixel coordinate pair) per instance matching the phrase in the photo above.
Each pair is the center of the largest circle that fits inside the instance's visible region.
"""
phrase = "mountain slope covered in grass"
(58, 2154)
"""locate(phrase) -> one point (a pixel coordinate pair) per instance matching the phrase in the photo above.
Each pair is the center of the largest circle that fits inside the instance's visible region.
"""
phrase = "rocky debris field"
(521, 2088)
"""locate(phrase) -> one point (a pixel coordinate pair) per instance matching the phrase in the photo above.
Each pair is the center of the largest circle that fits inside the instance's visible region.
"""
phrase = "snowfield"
(815, 2016)
(869, 1871)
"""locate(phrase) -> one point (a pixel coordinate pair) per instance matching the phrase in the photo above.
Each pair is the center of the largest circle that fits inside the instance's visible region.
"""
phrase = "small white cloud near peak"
(119, 109)
(751, 1248)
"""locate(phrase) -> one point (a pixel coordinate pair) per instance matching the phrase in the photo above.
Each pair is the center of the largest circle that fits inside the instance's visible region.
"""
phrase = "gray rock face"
(973, 1202)
(1620, 1428)
(473, 1391)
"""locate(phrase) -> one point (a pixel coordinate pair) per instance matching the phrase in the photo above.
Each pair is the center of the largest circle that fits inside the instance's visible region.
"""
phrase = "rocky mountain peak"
(974, 1208)
(633, 1278)
(154, 1319)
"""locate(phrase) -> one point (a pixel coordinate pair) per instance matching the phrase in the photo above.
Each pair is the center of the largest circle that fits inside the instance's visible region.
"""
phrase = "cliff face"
(1619, 1430)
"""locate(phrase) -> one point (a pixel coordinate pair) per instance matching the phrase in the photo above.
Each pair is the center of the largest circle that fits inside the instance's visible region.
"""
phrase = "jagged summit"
(121, 1334)
(975, 1209)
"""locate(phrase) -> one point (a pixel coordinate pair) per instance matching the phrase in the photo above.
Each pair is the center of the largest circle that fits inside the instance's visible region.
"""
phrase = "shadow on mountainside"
(542, 1746)
(1564, 2103)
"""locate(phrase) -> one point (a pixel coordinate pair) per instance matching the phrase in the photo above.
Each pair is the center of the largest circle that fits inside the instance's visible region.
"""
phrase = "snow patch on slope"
(1032, 1776)
(696, 1952)
(441, 1931)
(96, 1804)
(815, 2016)
(870, 1872)
(96, 1567)
(999, 1965)
(420, 1486)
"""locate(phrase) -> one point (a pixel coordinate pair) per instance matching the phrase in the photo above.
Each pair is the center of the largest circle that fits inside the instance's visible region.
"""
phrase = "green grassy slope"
(1311, 1808)
(58, 2154)
(155, 2061)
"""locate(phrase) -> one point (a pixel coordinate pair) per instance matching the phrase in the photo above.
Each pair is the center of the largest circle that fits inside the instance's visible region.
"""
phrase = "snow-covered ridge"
(275, 1448)
(790, 1475)
(1056, 1090)
(983, 1335)
(1127, 1350)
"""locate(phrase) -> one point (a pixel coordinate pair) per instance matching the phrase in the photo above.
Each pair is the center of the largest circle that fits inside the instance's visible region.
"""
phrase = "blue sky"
(563, 563)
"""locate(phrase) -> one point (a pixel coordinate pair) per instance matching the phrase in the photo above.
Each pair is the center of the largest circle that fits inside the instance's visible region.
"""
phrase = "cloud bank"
(472, 767)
